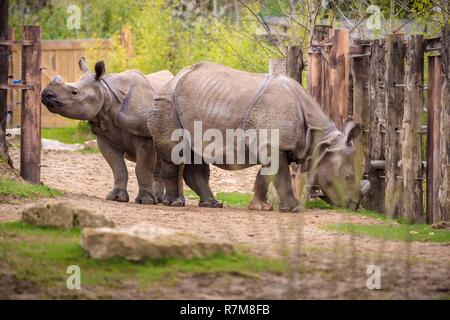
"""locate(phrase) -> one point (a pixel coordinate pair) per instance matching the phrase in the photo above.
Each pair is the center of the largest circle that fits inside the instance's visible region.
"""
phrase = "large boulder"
(63, 215)
(141, 241)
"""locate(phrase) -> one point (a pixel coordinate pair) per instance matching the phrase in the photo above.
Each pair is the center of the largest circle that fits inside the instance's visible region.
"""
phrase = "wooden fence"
(405, 148)
(58, 57)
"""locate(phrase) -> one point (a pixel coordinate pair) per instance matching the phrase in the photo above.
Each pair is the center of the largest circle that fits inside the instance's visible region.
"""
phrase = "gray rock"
(63, 215)
(141, 241)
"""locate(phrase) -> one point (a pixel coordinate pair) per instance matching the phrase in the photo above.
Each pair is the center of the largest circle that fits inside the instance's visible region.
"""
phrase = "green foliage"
(400, 232)
(71, 135)
(43, 254)
(20, 189)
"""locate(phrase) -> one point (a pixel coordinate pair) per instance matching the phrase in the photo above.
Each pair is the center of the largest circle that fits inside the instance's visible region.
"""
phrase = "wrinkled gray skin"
(116, 106)
(224, 98)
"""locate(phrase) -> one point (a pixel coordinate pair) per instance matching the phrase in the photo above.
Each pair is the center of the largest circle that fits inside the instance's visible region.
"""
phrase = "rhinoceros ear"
(83, 65)
(352, 130)
(99, 69)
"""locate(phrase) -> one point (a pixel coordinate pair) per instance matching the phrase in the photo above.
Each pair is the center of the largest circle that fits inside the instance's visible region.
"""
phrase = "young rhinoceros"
(116, 106)
(222, 100)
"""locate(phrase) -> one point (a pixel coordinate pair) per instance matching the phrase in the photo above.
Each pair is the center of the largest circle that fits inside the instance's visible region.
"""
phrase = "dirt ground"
(333, 265)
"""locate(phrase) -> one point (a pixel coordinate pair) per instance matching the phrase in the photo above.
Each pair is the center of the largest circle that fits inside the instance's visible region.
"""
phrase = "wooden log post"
(30, 155)
(434, 177)
(338, 76)
(444, 188)
(4, 71)
(294, 69)
(377, 125)
(394, 82)
(320, 32)
(294, 63)
(361, 111)
(411, 143)
(10, 94)
(126, 40)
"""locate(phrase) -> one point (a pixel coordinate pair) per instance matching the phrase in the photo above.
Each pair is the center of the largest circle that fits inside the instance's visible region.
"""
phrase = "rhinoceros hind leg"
(158, 182)
(120, 195)
(196, 177)
(173, 196)
(145, 197)
(259, 201)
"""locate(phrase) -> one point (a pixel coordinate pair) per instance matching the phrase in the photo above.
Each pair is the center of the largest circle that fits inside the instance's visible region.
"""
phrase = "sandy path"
(87, 179)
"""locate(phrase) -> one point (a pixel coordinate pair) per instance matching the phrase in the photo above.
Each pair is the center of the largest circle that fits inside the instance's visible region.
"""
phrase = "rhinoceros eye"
(74, 92)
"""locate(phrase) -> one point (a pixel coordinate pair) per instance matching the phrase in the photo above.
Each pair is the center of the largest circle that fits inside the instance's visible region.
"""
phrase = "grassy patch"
(402, 232)
(189, 194)
(317, 204)
(234, 199)
(42, 255)
(70, 135)
(89, 150)
(19, 189)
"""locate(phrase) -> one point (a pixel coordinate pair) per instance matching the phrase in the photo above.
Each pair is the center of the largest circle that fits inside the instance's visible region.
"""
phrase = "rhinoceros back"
(217, 95)
(134, 110)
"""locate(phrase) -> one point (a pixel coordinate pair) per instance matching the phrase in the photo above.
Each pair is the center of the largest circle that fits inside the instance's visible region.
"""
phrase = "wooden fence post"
(30, 155)
(338, 76)
(294, 69)
(10, 94)
(433, 138)
(361, 110)
(320, 32)
(444, 188)
(294, 63)
(395, 55)
(411, 127)
(126, 40)
(375, 197)
(4, 69)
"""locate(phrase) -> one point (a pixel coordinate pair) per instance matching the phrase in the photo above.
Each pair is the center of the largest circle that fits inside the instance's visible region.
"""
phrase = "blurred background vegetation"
(171, 34)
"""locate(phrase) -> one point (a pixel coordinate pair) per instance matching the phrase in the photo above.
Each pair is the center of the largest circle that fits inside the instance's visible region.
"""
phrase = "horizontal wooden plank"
(17, 86)
(16, 42)
(76, 44)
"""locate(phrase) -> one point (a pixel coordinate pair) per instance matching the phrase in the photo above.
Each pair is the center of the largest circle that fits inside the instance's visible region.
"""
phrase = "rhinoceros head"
(334, 169)
(80, 100)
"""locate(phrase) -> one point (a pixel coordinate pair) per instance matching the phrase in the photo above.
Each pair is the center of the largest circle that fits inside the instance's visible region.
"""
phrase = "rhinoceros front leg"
(283, 184)
(260, 189)
(145, 165)
(114, 157)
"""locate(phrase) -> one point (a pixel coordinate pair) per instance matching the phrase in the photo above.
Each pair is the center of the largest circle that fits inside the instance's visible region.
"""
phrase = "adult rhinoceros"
(222, 98)
(116, 106)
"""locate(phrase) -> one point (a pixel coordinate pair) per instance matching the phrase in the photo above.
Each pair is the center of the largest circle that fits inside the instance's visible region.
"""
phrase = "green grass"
(234, 199)
(42, 255)
(242, 199)
(70, 135)
(19, 189)
(317, 204)
(401, 232)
